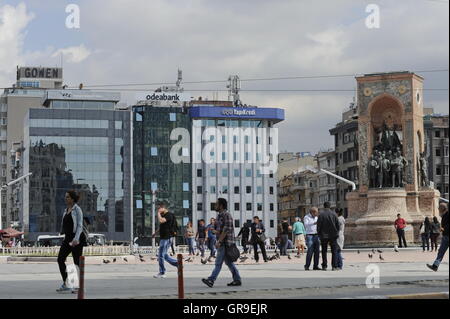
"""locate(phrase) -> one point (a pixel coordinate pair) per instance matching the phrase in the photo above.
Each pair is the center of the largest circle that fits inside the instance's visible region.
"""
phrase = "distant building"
(77, 141)
(326, 184)
(437, 148)
(346, 154)
(28, 92)
(289, 163)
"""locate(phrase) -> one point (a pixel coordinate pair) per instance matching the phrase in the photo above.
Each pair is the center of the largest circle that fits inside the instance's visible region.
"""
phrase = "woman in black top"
(435, 232)
(425, 230)
(74, 236)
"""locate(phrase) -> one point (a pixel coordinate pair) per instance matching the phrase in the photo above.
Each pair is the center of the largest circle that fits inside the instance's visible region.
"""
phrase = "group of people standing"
(205, 237)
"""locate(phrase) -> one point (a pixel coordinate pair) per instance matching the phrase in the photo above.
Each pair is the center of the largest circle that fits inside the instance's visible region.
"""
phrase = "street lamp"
(3, 187)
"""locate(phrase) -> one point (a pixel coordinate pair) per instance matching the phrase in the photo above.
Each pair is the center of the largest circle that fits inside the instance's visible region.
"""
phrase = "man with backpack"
(166, 232)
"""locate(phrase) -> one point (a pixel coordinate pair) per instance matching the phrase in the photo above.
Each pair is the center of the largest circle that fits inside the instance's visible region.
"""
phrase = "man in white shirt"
(312, 238)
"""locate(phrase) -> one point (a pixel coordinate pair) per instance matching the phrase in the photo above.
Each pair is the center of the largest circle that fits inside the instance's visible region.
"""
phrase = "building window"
(272, 223)
(236, 223)
(237, 207)
(213, 189)
(224, 189)
(437, 133)
(154, 186)
(236, 190)
(249, 189)
(438, 152)
(259, 190)
(271, 190)
(248, 173)
(213, 172)
(199, 190)
(224, 172)
(185, 187)
(153, 151)
(237, 173)
(249, 206)
(199, 207)
(438, 171)
(260, 207)
(224, 139)
(199, 173)
(272, 207)
(172, 117)
(213, 206)
(138, 117)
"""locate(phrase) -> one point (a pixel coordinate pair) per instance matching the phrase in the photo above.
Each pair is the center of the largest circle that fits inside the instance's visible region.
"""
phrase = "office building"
(77, 141)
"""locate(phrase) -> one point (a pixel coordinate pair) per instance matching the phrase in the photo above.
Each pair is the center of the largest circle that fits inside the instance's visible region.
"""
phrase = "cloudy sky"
(146, 41)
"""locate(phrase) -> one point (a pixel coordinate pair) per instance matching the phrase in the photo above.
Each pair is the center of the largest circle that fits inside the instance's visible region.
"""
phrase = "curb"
(432, 295)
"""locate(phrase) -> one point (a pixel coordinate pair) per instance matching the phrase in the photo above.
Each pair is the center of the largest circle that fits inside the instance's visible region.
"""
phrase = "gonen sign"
(39, 73)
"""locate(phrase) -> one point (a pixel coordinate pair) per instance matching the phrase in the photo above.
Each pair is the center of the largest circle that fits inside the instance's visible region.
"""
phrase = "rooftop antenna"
(234, 86)
(180, 78)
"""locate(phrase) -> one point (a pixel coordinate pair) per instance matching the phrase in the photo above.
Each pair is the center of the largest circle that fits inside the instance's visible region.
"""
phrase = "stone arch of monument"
(384, 109)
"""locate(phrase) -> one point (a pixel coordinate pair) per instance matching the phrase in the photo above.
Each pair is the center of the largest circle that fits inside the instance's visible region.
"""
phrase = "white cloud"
(75, 54)
(13, 23)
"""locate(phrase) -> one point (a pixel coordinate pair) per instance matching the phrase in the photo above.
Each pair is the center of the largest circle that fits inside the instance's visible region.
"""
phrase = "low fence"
(97, 250)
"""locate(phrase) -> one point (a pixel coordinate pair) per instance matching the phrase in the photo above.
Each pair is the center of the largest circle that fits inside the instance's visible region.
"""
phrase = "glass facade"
(172, 182)
(84, 152)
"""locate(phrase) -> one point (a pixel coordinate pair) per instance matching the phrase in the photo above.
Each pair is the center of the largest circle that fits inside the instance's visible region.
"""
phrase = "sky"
(146, 41)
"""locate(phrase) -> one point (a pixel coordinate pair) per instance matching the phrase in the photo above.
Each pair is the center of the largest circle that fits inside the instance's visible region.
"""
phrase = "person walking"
(200, 237)
(285, 228)
(225, 231)
(425, 231)
(298, 229)
(435, 233)
(167, 230)
(328, 230)
(443, 212)
(400, 225)
(75, 237)
(312, 239)
(244, 233)
(211, 238)
(258, 238)
(341, 239)
(190, 235)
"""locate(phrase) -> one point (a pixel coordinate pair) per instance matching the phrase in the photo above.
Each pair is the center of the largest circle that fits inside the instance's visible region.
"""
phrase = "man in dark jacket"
(244, 233)
(443, 212)
(258, 238)
(328, 230)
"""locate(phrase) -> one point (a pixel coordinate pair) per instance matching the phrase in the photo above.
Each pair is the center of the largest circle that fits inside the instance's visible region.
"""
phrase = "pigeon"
(370, 256)
(106, 261)
(379, 251)
(289, 257)
(373, 250)
(359, 252)
(140, 256)
(381, 258)
(153, 258)
(189, 260)
(114, 260)
(396, 248)
(125, 259)
(204, 261)
(141, 259)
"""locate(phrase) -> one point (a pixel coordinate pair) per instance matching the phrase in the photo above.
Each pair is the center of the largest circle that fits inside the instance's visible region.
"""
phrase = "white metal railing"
(100, 250)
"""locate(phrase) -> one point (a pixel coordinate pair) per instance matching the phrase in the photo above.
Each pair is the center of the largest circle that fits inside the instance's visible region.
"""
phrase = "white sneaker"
(159, 276)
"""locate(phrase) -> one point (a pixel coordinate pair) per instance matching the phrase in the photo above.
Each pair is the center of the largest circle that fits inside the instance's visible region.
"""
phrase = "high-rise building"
(346, 154)
(26, 93)
(193, 153)
(437, 144)
(77, 141)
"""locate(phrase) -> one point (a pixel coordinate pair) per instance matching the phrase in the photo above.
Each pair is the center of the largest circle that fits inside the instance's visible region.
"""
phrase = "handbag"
(232, 253)
(261, 237)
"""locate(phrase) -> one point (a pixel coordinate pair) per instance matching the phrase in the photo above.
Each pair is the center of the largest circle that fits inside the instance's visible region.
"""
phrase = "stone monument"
(392, 161)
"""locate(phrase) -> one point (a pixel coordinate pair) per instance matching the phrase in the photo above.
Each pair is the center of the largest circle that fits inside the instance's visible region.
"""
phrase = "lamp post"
(3, 187)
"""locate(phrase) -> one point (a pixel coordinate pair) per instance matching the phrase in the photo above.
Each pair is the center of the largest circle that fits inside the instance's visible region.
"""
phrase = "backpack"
(174, 226)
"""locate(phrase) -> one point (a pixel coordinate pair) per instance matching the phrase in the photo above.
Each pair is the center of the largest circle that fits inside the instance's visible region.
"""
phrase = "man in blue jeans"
(312, 238)
(225, 231)
(166, 230)
(212, 239)
(443, 212)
